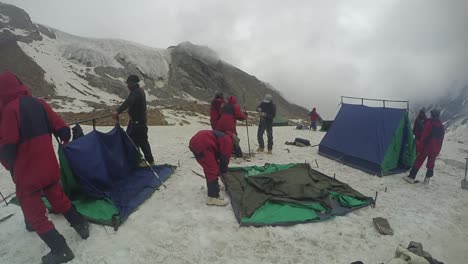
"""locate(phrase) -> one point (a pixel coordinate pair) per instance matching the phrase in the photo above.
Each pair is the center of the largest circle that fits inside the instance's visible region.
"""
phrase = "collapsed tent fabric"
(100, 176)
(288, 194)
(377, 140)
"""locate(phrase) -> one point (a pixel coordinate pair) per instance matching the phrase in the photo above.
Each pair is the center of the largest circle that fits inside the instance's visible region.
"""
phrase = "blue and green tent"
(377, 140)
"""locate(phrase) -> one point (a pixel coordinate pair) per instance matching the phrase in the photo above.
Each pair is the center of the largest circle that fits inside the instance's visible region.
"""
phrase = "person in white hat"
(267, 110)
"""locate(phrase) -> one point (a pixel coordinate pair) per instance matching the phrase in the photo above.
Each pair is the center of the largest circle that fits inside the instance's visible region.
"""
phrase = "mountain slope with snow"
(81, 74)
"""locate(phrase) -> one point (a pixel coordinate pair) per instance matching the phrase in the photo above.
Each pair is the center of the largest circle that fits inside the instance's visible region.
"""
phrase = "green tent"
(280, 121)
(288, 194)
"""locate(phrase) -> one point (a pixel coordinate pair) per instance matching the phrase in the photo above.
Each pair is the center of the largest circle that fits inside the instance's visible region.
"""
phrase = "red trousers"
(34, 209)
(422, 157)
(207, 160)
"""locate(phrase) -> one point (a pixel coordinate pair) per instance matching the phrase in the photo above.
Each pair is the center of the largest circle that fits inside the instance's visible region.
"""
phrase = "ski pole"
(247, 126)
(147, 163)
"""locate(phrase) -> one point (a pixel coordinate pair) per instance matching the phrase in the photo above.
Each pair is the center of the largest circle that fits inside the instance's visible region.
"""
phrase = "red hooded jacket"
(215, 111)
(26, 125)
(314, 116)
(231, 112)
(433, 136)
(213, 151)
(419, 124)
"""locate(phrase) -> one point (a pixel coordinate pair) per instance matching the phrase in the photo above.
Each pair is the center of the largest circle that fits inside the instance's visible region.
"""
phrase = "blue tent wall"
(104, 164)
(360, 136)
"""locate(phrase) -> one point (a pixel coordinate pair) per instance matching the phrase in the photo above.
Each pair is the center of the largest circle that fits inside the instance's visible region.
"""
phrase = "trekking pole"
(247, 126)
(147, 163)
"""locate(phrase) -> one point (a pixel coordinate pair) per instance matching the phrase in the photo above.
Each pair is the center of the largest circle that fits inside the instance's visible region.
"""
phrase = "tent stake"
(375, 199)
(178, 162)
(94, 124)
(316, 163)
(385, 189)
(334, 175)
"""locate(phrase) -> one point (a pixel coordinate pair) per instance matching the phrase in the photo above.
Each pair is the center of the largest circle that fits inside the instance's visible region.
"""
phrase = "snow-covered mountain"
(81, 74)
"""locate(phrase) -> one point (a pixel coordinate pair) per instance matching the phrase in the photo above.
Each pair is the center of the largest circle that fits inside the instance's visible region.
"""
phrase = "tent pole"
(375, 199)
(383, 103)
(362, 101)
(94, 124)
(147, 163)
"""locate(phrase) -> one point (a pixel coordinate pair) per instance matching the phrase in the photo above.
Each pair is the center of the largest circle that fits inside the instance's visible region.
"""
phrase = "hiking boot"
(260, 150)
(429, 173)
(78, 222)
(217, 201)
(270, 152)
(427, 180)
(408, 179)
(142, 164)
(413, 173)
(59, 250)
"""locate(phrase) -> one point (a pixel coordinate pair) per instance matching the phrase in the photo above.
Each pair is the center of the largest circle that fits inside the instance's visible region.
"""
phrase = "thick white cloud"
(312, 51)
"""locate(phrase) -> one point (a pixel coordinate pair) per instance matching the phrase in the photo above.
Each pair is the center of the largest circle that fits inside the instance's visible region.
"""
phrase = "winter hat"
(268, 98)
(133, 79)
(219, 96)
(435, 113)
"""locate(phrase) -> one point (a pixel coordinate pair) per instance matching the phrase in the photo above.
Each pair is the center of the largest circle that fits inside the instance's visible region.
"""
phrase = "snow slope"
(174, 225)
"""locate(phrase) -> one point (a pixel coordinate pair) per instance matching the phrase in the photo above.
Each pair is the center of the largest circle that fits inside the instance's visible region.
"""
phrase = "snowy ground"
(175, 226)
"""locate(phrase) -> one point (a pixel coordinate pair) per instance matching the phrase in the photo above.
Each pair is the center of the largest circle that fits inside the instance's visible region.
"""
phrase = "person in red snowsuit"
(230, 113)
(215, 109)
(26, 150)
(314, 116)
(432, 139)
(212, 149)
(418, 129)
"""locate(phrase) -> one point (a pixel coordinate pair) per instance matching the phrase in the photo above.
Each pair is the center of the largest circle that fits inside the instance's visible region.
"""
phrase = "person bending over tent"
(231, 112)
(267, 110)
(137, 127)
(432, 138)
(212, 149)
(418, 129)
(26, 151)
(314, 116)
(215, 109)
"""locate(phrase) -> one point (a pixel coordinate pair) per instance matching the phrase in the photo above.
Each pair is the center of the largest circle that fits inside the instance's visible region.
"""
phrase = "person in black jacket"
(267, 110)
(137, 127)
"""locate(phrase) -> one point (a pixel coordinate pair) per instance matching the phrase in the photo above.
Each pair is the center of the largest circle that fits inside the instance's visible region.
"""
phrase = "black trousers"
(138, 132)
(265, 124)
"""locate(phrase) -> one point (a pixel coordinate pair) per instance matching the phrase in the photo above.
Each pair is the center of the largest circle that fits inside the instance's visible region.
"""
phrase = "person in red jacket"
(418, 129)
(432, 139)
(26, 150)
(212, 149)
(215, 109)
(314, 116)
(230, 113)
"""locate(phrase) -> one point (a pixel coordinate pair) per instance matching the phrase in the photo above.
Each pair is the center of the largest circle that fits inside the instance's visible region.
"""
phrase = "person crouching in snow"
(314, 116)
(418, 129)
(26, 151)
(215, 109)
(432, 139)
(212, 149)
(230, 113)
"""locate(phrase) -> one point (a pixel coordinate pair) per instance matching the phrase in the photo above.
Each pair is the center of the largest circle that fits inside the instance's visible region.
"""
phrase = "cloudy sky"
(312, 51)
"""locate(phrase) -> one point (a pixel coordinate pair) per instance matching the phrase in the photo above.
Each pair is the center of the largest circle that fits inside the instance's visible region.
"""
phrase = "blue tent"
(100, 176)
(377, 140)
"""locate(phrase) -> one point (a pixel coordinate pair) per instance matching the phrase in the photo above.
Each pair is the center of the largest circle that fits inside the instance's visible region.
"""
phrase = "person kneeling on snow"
(212, 149)
(432, 139)
(26, 150)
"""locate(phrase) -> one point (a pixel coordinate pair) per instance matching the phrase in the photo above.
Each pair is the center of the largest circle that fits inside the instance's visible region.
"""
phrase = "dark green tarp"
(288, 194)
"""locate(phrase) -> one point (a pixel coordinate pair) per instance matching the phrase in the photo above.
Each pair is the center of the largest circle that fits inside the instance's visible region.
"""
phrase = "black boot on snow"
(429, 173)
(413, 173)
(78, 222)
(59, 250)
